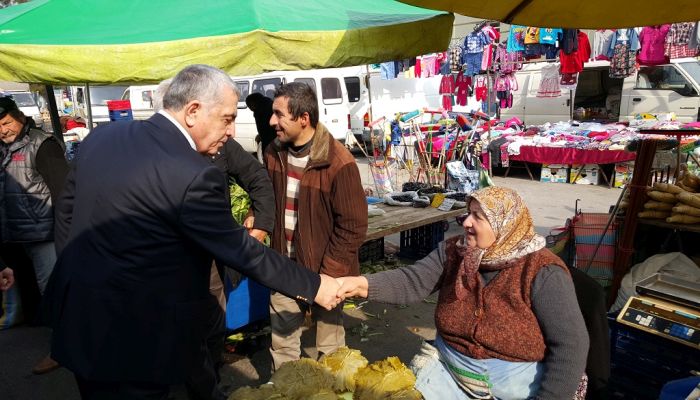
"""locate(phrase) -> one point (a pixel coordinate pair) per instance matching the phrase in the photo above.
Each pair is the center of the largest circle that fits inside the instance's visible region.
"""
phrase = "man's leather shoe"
(47, 364)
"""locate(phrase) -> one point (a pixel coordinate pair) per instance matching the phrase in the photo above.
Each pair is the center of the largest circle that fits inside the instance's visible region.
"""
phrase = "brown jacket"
(332, 215)
(497, 320)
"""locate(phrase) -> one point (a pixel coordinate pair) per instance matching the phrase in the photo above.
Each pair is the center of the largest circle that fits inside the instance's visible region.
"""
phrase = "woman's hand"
(352, 286)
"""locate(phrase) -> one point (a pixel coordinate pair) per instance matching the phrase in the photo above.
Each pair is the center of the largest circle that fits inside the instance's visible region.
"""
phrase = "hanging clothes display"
(549, 85)
(505, 62)
(473, 51)
(572, 62)
(516, 38)
(653, 40)
(489, 51)
(387, 70)
(480, 88)
(504, 86)
(678, 40)
(447, 90)
(429, 66)
(463, 85)
(694, 41)
(532, 42)
(549, 37)
(569, 41)
(623, 52)
(568, 81)
(455, 58)
(601, 44)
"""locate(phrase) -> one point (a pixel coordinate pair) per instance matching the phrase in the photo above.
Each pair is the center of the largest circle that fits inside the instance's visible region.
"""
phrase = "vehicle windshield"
(693, 69)
(23, 99)
(100, 94)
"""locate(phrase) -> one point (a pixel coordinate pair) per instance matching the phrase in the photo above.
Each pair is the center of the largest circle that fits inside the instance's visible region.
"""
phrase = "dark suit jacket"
(140, 219)
(252, 176)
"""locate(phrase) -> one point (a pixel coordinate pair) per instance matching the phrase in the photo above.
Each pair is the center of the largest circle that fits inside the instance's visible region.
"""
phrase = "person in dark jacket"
(261, 106)
(143, 204)
(252, 177)
(33, 172)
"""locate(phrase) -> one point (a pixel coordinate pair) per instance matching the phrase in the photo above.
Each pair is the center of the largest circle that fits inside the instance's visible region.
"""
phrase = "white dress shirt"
(184, 132)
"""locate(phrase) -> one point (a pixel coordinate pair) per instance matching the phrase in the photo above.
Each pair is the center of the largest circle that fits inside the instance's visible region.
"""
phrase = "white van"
(98, 99)
(338, 91)
(673, 87)
(141, 98)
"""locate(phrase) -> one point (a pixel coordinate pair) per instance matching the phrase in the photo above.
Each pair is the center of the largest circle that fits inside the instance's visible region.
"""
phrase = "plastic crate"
(247, 303)
(120, 115)
(641, 363)
(588, 230)
(113, 105)
(418, 242)
(371, 251)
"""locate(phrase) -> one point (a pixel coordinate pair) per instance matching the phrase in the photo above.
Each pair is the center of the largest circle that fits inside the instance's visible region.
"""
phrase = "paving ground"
(378, 330)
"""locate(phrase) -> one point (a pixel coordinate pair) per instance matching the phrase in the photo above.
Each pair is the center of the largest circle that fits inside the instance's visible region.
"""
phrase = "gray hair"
(197, 82)
(159, 93)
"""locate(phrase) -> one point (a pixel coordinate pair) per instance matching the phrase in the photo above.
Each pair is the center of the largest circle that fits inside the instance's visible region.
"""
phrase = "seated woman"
(508, 322)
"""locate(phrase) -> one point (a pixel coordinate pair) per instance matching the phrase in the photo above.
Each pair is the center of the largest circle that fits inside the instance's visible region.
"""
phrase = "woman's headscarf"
(511, 222)
(515, 235)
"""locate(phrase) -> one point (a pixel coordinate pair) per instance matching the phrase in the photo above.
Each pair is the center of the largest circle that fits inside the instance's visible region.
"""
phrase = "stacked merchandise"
(676, 204)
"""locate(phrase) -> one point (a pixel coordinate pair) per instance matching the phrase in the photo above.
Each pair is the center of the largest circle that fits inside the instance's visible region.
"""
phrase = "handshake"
(333, 291)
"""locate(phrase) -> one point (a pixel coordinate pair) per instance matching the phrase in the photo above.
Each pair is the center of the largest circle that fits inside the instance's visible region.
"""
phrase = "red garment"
(417, 69)
(463, 83)
(71, 123)
(573, 63)
(447, 102)
(447, 85)
(652, 39)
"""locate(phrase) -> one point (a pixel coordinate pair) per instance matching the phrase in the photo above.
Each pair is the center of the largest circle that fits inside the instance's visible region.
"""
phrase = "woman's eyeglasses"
(461, 218)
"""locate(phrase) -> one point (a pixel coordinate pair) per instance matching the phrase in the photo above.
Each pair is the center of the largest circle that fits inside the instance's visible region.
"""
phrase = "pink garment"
(429, 67)
(652, 39)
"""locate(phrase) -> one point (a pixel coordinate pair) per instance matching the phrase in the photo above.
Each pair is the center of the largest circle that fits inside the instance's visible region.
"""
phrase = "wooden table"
(398, 219)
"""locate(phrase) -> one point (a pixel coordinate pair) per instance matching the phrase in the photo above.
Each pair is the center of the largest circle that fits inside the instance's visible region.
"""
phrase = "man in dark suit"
(140, 220)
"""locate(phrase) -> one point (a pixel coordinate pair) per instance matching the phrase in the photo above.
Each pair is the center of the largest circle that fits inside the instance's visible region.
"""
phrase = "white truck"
(664, 88)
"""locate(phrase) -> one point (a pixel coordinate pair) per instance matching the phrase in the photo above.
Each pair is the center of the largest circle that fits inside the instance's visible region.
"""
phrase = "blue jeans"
(43, 256)
(509, 380)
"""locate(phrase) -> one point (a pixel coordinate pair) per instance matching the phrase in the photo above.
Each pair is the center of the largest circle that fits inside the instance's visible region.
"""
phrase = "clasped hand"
(7, 278)
(334, 291)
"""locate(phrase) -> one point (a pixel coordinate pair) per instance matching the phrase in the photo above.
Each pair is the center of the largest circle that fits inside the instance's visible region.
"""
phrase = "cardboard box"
(554, 173)
(623, 174)
(589, 174)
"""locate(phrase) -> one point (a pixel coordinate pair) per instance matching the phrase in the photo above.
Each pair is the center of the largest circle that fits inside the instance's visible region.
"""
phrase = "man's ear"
(305, 120)
(192, 110)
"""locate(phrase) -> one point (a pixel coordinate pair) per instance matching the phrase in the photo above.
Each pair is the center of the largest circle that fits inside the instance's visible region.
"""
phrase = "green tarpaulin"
(107, 41)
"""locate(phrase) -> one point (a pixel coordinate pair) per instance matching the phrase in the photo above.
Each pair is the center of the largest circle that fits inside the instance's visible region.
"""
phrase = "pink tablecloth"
(557, 155)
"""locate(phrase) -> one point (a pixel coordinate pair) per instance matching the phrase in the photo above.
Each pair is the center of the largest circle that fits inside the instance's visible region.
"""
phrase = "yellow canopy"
(592, 14)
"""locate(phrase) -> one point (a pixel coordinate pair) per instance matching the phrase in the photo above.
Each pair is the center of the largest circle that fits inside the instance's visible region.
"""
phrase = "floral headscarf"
(511, 222)
(515, 235)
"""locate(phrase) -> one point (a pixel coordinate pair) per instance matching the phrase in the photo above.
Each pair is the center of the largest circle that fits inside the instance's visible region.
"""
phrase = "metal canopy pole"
(53, 113)
(88, 105)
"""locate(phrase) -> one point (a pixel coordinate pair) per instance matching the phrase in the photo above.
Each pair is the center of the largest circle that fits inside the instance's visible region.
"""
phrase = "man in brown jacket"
(321, 215)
